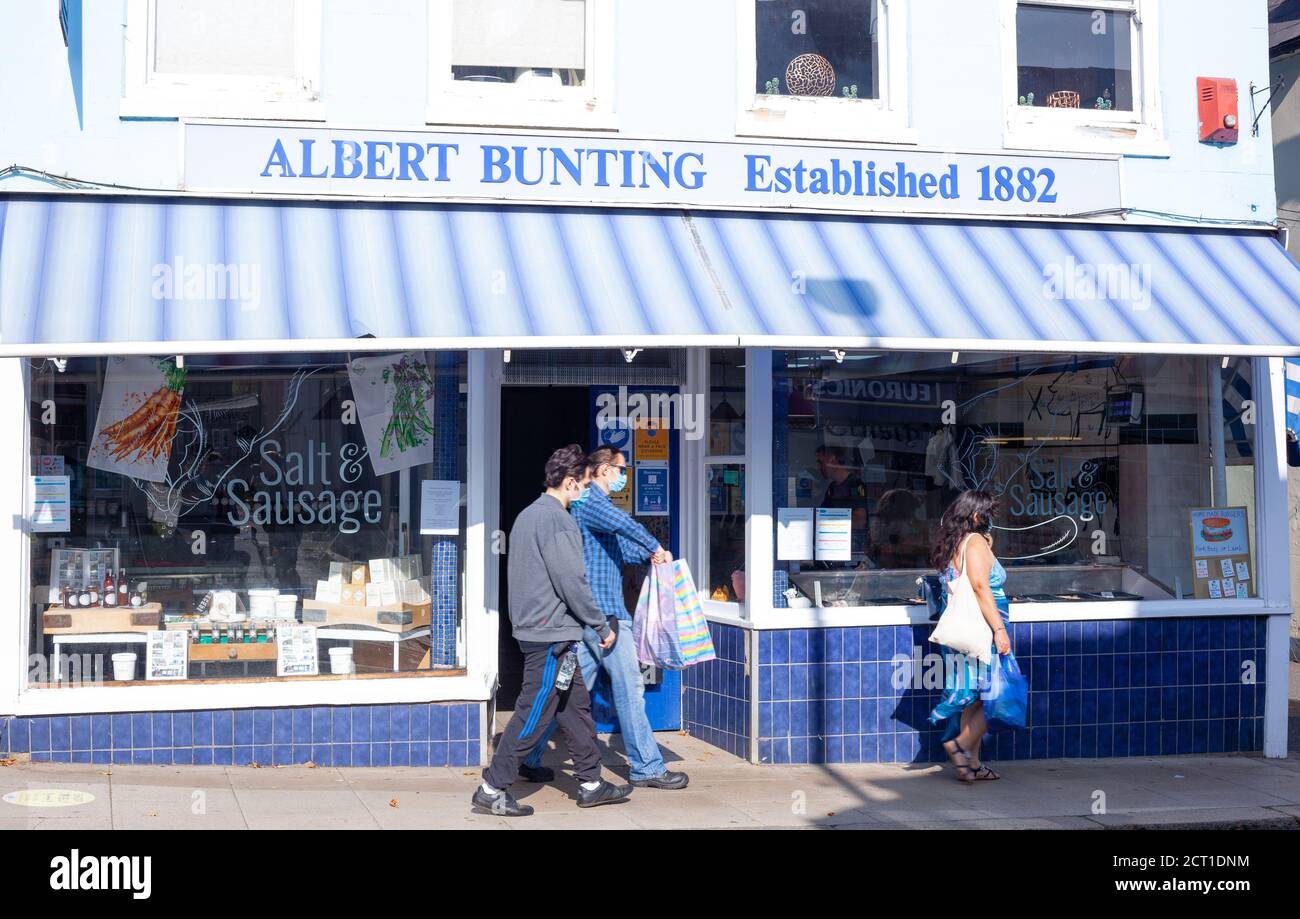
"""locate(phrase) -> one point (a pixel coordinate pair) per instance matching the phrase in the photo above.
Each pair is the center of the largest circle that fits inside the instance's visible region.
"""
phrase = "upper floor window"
(222, 58)
(518, 63)
(1083, 75)
(827, 69)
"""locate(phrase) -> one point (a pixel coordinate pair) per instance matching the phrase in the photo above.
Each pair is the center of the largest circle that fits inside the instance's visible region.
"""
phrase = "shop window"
(222, 58)
(534, 63)
(266, 509)
(1111, 480)
(820, 68)
(724, 470)
(1083, 75)
(1072, 57)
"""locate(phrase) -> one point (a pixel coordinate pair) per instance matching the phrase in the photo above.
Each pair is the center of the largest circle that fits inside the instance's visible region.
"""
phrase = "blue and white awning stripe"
(1293, 394)
(82, 274)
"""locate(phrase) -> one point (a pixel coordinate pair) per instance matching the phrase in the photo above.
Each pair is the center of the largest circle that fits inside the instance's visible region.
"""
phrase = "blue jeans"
(620, 663)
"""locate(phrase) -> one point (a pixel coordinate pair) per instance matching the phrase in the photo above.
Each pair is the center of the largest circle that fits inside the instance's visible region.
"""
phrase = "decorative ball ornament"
(810, 75)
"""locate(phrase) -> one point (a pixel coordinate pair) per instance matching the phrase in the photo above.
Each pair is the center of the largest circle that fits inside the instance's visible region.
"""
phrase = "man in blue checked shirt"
(610, 540)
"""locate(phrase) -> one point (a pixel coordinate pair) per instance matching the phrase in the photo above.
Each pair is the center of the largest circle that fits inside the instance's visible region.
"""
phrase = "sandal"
(983, 773)
(964, 771)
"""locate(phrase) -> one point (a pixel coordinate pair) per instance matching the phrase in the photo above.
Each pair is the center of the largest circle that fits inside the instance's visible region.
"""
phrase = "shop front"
(267, 453)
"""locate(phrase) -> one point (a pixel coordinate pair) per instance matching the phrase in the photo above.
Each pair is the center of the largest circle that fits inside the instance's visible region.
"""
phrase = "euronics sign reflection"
(283, 160)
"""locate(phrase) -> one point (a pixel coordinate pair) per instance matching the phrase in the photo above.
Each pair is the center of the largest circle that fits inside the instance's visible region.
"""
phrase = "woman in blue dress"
(965, 539)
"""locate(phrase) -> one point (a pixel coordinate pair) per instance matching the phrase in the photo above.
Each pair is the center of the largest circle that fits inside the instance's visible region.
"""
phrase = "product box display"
(400, 617)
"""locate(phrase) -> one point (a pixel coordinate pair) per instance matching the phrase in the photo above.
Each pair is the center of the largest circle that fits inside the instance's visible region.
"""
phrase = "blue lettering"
(496, 164)
(347, 159)
(754, 166)
(278, 158)
(697, 176)
(307, 144)
(376, 150)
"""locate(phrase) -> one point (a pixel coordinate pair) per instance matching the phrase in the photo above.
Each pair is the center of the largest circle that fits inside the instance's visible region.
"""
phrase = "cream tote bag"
(962, 626)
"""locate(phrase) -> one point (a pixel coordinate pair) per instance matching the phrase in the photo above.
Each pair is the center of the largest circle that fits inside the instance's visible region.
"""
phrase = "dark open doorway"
(535, 421)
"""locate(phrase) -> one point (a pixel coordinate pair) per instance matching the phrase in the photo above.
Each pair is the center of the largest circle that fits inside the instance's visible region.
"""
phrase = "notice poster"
(650, 439)
(833, 537)
(137, 417)
(439, 507)
(1221, 553)
(794, 534)
(167, 655)
(295, 651)
(652, 490)
(47, 504)
(394, 400)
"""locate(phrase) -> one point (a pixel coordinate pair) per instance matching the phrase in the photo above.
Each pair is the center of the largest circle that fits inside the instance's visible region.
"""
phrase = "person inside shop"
(964, 543)
(550, 605)
(845, 488)
(897, 536)
(612, 540)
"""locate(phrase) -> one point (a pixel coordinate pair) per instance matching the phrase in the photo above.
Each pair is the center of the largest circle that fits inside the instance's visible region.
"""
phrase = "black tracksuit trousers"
(539, 702)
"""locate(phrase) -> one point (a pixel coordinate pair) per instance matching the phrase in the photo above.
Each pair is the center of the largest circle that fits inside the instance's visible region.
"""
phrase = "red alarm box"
(1216, 105)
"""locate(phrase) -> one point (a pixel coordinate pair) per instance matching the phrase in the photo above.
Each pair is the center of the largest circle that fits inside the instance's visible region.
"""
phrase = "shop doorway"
(535, 420)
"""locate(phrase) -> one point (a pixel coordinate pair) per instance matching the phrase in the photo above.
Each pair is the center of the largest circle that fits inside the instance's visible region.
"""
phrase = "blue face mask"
(582, 496)
(620, 483)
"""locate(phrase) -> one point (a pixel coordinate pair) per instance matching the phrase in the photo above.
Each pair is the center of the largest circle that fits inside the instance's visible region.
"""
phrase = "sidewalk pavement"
(725, 792)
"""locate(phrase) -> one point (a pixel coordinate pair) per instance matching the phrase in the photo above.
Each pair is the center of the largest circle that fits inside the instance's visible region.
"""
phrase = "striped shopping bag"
(692, 628)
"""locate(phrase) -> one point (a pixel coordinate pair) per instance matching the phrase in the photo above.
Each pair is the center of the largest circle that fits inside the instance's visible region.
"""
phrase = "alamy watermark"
(1117, 282)
(234, 282)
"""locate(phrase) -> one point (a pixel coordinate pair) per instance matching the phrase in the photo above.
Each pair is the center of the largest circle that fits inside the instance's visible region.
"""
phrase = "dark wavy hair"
(567, 461)
(958, 521)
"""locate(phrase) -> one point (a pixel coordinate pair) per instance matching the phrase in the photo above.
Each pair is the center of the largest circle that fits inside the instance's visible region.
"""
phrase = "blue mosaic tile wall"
(444, 561)
(418, 734)
(1097, 689)
(715, 695)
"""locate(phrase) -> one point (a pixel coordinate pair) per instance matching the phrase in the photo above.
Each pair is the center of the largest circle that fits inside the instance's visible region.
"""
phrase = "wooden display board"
(1221, 566)
(58, 620)
(399, 617)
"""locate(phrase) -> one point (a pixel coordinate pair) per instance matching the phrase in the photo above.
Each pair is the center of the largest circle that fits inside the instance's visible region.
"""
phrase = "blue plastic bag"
(1006, 701)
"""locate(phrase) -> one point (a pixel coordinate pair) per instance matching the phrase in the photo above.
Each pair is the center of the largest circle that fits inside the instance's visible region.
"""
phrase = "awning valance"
(103, 275)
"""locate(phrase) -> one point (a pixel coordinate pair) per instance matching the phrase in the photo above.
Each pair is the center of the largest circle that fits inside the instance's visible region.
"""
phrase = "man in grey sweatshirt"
(550, 603)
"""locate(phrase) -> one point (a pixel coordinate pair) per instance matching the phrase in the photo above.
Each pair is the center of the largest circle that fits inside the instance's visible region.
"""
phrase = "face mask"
(582, 496)
(618, 484)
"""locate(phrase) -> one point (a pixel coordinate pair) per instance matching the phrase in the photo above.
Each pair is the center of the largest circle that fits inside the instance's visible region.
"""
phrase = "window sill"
(153, 106)
(479, 113)
(856, 616)
(179, 695)
(1084, 136)
(869, 126)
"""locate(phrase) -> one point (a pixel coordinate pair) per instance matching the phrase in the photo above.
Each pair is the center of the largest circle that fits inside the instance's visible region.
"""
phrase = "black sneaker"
(668, 780)
(538, 774)
(604, 794)
(500, 804)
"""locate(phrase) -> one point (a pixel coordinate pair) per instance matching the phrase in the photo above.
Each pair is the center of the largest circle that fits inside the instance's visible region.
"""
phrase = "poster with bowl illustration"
(394, 398)
(137, 417)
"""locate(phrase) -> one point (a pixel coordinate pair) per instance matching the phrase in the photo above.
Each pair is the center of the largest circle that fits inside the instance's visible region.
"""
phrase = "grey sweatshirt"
(550, 599)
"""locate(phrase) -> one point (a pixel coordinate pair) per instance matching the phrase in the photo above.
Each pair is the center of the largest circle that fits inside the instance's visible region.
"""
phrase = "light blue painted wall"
(676, 75)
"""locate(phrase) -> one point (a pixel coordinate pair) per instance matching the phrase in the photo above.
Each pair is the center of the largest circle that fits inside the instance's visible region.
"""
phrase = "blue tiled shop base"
(1097, 689)
(715, 695)
(420, 734)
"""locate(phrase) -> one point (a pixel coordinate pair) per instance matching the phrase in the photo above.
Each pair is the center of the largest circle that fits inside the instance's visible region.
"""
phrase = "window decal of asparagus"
(394, 396)
(409, 422)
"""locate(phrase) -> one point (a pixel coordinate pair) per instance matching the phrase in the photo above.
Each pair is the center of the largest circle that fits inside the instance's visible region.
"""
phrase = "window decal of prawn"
(137, 417)
(394, 398)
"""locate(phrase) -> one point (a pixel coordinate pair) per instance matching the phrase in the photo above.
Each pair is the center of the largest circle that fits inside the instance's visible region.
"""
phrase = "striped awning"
(83, 274)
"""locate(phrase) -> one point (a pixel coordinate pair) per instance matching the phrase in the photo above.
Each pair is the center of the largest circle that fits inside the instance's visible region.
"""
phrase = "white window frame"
(459, 102)
(147, 94)
(1139, 132)
(881, 120)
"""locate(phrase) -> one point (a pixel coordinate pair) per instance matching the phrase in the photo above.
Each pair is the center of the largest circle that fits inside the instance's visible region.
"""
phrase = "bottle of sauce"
(110, 589)
(83, 598)
(123, 597)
